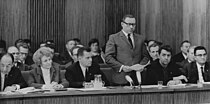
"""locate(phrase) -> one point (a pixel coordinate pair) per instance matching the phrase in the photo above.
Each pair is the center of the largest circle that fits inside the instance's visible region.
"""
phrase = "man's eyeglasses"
(200, 55)
(15, 53)
(129, 24)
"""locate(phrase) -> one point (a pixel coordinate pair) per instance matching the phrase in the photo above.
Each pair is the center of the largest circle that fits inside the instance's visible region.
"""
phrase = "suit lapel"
(39, 73)
(52, 73)
(194, 71)
(123, 37)
(79, 71)
(206, 72)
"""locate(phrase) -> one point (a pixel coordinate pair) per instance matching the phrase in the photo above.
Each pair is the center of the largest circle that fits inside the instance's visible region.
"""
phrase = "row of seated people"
(23, 56)
(46, 74)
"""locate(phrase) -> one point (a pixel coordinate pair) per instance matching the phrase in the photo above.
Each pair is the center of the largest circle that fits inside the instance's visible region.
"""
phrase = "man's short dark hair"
(69, 40)
(185, 41)
(199, 48)
(165, 47)
(127, 16)
(94, 40)
(153, 45)
(77, 40)
(82, 50)
(8, 54)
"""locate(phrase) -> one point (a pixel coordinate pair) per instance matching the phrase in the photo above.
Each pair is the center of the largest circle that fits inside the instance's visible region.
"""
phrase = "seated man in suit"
(200, 69)
(66, 56)
(163, 69)
(178, 58)
(83, 70)
(11, 77)
(190, 58)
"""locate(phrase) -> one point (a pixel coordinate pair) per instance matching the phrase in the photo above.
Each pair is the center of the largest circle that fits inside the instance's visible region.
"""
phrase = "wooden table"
(119, 95)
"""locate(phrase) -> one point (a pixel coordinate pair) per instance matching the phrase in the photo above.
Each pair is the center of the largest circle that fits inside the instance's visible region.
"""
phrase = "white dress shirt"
(200, 76)
(2, 80)
(46, 75)
(83, 69)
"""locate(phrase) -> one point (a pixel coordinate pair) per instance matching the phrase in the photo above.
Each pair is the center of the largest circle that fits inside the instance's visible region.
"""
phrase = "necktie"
(200, 75)
(202, 70)
(129, 39)
(86, 75)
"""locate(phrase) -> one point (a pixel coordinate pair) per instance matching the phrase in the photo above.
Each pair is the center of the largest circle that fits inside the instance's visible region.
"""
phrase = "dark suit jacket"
(14, 77)
(178, 58)
(192, 72)
(156, 72)
(29, 60)
(182, 65)
(66, 58)
(23, 67)
(36, 77)
(120, 52)
(76, 78)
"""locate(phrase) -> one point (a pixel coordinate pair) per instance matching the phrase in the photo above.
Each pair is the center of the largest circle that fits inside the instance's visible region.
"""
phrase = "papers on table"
(150, 86)
(92, 89)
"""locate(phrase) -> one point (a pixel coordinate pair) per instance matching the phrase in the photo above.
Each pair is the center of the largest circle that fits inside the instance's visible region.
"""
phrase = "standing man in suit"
(200, 69)
(11, 77)
(123, 51)
(83, 70)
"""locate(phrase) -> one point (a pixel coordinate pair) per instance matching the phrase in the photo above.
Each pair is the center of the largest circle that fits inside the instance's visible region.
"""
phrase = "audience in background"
(66, 56)
(83, 70)
(45, 73)
(190, 58)
(178, 58)
(74, 52)
(11, 77)
(77, 40)
(98, 55)
(2, 47)
(153, 54)
(16, 54)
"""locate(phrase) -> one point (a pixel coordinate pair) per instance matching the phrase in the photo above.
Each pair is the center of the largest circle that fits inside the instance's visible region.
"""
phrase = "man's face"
(129, 25)
(23, 53)
(74, 55)
(190, 54)
(94, 47)
(46, 62)
(6, 64)
(201, 56)
(15, 52)
(70, 44)
(185, 47)
(154, 52)
(86, 59)
(165, 57)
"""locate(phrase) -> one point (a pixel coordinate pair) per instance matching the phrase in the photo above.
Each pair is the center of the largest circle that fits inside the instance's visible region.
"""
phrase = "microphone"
(128, 78)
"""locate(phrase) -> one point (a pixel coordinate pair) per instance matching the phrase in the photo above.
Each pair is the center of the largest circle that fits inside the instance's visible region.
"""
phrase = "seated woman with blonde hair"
(45, 73)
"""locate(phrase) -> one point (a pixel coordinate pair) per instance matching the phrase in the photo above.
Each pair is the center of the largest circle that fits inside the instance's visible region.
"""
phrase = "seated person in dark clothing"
(190, 59)
(178, 58)
(66, 56)
(83, 70)
(153, 54)
(11, 77)
(163, 69)
(198, 71)
(98, 55)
